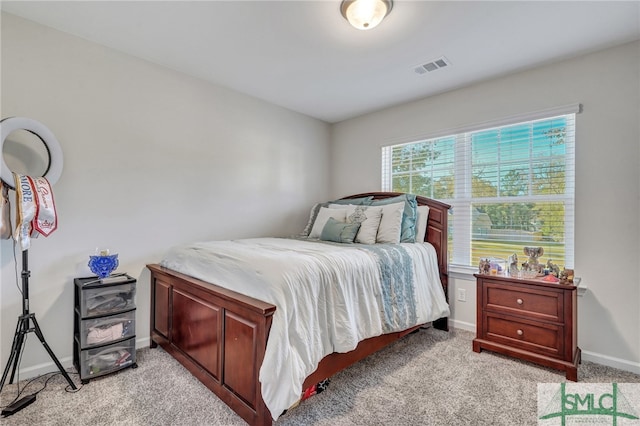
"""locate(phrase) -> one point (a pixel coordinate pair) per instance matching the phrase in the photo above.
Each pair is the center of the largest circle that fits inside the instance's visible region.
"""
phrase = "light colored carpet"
(428, 378)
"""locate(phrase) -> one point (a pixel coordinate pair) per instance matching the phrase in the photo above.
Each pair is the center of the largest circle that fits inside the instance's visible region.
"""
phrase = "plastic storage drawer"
(107, 359)
(100, 331)
(108, 299)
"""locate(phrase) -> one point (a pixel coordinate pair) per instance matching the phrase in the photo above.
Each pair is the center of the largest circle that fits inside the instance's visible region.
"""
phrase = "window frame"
(460, 255)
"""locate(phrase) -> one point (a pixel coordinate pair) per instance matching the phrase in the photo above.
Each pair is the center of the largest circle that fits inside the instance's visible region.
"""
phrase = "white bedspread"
(327, 298)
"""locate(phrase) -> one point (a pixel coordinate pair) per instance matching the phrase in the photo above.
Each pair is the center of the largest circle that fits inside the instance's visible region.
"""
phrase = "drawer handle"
(520, 332)
(519, 301)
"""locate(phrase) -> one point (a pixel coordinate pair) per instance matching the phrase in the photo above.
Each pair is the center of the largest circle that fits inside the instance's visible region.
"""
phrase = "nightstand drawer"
(532, 303)
(533, 336)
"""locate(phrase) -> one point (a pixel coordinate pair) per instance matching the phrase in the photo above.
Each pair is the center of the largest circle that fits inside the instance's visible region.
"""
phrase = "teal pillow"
(409, 216)
(339, 232)
(364, 201)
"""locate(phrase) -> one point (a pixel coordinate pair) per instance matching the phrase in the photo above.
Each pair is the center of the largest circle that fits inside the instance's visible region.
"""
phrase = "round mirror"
(25, 153)
(29, 148)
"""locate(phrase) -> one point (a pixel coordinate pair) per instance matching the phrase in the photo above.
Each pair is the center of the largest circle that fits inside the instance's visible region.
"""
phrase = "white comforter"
(328, 298)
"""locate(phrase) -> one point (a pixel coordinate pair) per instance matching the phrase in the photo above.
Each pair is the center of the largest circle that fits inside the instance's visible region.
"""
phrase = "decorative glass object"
(497, 266)
(534, 253)
(532, 264)
(528, 274)
(103, 264)
(512, 265)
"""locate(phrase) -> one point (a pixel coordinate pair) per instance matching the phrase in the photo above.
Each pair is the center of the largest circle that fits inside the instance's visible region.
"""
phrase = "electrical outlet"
(462, 295)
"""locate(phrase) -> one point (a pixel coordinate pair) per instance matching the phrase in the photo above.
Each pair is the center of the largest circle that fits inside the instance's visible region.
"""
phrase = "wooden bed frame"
(220, 336)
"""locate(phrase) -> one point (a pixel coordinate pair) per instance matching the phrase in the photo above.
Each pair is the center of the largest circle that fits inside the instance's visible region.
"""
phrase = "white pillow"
(423, 218)
(367, 216)
(391, 223)
(312, 218)
(323, 216)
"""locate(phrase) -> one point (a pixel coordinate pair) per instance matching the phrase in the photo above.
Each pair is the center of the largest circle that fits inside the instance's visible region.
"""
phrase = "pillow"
(321, 219)
(312, 218)
(367, 216)
(339, 232)
(316, 208)
(421, 228)
(408, 233)
(390, 227)
(364, 201)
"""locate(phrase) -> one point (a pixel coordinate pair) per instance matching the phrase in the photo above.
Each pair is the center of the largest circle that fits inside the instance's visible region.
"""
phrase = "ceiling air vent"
(433, 65)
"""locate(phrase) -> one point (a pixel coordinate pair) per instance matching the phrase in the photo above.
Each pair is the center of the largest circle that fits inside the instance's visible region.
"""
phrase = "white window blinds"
(510, 185)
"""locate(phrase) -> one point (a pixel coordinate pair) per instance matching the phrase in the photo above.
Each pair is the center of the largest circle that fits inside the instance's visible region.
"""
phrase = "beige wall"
(607, 219)
(152, 158)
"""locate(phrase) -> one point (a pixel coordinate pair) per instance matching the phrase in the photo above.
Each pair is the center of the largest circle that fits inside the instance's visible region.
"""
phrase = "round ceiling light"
(365, 14)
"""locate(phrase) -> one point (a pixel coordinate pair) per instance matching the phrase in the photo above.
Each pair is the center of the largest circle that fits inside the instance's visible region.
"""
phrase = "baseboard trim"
(44, 368)
(610, 361)
(144, 342)
(462, 325)
(67, 364)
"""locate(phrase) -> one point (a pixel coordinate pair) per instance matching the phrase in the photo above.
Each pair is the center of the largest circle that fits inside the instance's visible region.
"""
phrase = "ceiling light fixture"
(365, 14)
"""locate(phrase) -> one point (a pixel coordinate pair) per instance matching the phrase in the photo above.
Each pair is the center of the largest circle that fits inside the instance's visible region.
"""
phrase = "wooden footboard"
(219, 335)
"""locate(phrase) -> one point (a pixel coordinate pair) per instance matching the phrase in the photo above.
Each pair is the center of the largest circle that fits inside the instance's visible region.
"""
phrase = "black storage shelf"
(104, 327)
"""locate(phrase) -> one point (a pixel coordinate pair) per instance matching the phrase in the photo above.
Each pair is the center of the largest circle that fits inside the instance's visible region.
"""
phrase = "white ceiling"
(304, 56)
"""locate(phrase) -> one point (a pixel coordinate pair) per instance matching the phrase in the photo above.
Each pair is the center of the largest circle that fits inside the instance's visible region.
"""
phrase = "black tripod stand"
(24, 327)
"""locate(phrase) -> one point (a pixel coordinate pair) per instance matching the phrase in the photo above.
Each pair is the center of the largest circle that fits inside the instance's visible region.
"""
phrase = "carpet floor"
(427, 378)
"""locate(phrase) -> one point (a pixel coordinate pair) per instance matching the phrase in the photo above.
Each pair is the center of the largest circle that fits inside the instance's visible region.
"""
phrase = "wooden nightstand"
(529, 319)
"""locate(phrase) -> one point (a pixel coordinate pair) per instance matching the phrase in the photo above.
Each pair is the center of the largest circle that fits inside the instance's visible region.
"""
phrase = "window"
(509, 186)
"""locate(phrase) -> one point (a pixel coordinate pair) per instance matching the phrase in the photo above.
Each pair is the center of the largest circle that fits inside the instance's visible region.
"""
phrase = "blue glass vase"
(103, 265)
